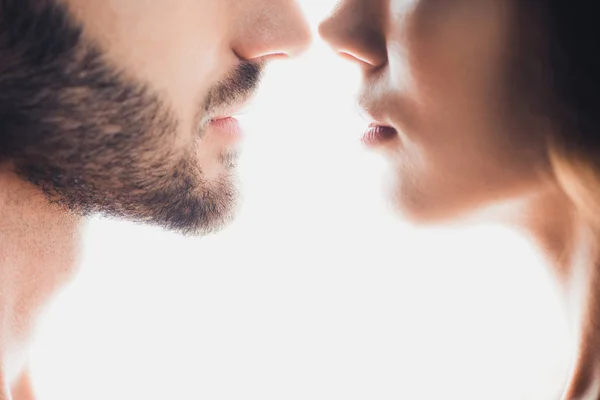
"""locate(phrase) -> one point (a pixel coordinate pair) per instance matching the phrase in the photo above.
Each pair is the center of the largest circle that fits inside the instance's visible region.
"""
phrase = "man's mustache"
(239, 85)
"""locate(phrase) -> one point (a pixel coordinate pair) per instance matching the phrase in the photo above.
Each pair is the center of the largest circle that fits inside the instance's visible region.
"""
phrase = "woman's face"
(445, 75)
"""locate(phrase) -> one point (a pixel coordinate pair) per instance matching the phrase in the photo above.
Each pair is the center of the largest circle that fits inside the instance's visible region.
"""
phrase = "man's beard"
(94, 140)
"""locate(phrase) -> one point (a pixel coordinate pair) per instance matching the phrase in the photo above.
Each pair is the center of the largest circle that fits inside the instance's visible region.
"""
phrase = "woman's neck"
(571, 248)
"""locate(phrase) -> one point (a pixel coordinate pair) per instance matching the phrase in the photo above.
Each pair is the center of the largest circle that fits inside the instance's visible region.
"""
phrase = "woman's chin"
(422, 211)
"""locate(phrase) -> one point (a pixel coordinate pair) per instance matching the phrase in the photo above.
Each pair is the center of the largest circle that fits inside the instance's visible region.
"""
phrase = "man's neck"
(39, 248)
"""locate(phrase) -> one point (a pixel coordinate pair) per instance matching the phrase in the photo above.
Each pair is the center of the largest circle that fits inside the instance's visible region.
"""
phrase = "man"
(121, 108)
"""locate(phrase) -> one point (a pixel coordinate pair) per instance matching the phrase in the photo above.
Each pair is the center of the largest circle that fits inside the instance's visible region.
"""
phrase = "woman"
(492, 107)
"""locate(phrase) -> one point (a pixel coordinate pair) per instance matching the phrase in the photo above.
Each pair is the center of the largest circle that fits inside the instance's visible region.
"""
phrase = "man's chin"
(201, 228)
(229, 160)
(198, 211)
(201, 214)
(181, 199)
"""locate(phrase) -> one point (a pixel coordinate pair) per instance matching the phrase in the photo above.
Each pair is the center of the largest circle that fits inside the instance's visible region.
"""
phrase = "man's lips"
(228, 129)
(225, 123)
(233, 110)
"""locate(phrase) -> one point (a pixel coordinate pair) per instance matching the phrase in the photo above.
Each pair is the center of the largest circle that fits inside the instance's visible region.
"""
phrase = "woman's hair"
(572, 58)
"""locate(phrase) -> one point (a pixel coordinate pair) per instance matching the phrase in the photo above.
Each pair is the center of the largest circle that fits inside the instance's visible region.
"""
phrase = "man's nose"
(354, 31)
(279, 29)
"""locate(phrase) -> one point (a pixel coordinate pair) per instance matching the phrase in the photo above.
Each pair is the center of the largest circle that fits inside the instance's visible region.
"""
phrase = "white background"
(318, 291)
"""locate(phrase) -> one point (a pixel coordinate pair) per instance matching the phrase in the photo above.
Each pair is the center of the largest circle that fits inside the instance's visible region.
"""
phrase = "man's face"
(121, 107)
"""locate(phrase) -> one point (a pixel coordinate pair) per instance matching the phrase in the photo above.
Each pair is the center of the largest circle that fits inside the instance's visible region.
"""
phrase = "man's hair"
(34, 35)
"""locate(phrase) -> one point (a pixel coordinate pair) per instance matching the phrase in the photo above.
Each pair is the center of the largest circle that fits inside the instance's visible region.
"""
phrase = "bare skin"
(23, 389)
(448, 83)
(122, 108)
(39, 253)
(570, 246)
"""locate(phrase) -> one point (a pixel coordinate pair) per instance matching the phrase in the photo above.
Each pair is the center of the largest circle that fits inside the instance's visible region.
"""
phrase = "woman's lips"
(377, 135)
